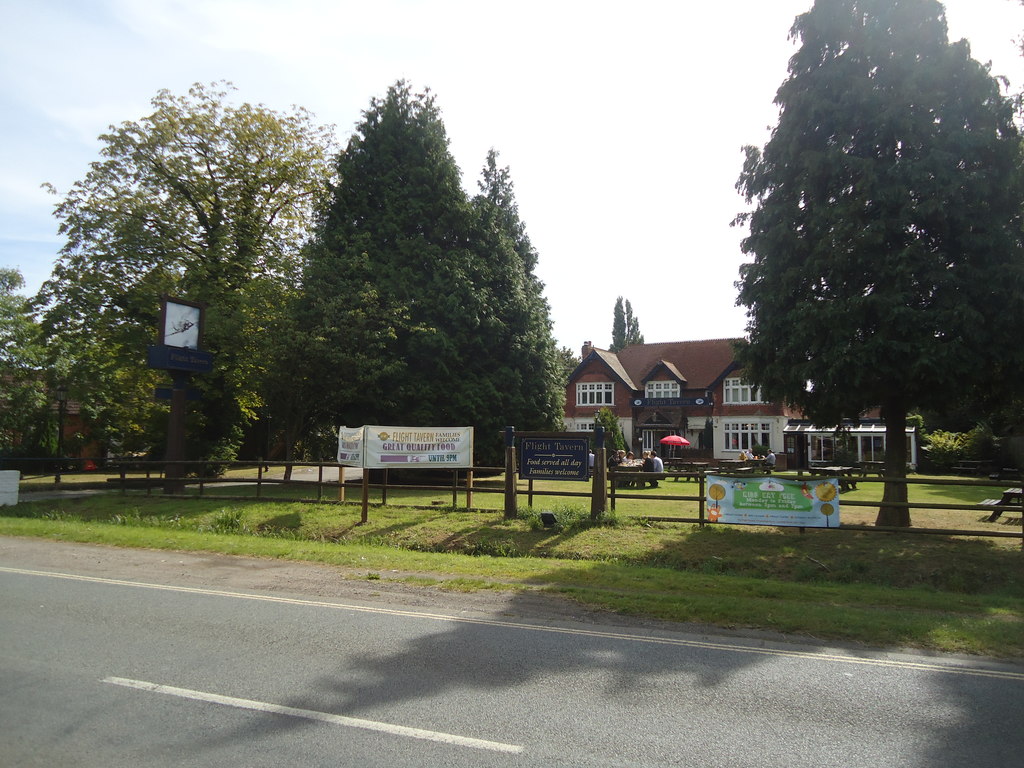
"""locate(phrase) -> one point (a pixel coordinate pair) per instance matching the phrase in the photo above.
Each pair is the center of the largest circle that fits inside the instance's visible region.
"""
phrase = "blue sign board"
(165, 393)
(670, 402)
(552, 458)
(179, 359)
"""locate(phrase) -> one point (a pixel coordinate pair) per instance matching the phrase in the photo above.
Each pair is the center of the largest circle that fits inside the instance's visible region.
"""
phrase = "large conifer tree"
(625, 327)
(886, 229)
(425, 303)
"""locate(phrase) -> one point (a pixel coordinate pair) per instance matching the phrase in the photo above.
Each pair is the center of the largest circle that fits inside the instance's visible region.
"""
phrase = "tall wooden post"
(599, 482)
(511, 501)
(174, 471)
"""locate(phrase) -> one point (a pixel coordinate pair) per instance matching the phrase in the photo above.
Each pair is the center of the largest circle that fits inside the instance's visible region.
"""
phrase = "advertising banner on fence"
(350, 446)
(807, 503)
(425, 447)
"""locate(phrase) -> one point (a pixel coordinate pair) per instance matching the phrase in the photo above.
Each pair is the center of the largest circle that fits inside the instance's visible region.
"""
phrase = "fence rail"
(208, 479)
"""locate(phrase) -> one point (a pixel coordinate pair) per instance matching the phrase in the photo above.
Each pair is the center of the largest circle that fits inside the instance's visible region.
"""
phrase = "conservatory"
(863, 443)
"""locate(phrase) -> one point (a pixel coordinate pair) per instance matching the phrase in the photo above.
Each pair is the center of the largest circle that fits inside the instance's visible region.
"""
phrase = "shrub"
(946, 449)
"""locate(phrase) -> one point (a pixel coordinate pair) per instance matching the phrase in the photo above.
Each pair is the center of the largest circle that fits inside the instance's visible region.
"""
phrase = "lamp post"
(62, 403)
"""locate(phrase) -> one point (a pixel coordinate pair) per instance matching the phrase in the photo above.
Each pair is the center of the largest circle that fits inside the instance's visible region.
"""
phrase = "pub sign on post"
(544, 458)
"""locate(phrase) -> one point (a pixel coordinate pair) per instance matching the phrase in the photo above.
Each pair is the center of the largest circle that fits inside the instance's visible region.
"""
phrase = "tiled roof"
(613, 362)
(701, 363)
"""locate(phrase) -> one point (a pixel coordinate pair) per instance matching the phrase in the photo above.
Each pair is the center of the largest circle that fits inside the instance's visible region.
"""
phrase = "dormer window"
(595, 393)
(738, 392)
(662, 389)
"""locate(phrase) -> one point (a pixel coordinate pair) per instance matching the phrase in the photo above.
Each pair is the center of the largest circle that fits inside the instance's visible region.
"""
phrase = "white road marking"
(322, 717)
(842, 658)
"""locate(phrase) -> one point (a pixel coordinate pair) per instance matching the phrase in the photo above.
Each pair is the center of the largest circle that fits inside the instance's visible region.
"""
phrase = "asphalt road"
(115, 658)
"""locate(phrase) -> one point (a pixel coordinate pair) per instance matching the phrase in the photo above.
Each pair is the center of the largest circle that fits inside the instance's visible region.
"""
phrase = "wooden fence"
(268, 479)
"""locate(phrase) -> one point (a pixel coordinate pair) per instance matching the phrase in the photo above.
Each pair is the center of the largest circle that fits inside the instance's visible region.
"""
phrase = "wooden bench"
(973, 468)
(1011, 500)
(995, 512)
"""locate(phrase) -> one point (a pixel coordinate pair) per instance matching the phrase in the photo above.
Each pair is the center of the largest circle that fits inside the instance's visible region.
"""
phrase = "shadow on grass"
(969, 566)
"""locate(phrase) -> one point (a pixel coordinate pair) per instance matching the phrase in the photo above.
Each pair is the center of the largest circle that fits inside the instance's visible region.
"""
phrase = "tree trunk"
(289, 449)
(894, 411)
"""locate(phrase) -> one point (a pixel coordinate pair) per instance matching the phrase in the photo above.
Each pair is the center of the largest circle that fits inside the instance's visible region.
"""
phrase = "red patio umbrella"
(674, 440)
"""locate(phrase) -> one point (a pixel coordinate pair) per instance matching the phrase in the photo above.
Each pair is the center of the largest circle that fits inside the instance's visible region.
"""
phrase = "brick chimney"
(588, 347)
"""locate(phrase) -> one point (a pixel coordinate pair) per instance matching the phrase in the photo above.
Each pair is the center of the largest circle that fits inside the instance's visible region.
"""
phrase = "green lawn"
(962, 594)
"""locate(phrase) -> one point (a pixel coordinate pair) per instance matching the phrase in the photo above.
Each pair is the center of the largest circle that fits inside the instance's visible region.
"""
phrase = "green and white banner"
(807, 503)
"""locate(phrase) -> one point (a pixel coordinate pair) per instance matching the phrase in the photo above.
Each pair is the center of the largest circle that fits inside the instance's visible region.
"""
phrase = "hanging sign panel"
(350, 446)
(423, 447)
(806, 503)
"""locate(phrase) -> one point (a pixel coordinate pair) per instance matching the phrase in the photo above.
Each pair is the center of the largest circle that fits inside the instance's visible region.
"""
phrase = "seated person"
(659, 466)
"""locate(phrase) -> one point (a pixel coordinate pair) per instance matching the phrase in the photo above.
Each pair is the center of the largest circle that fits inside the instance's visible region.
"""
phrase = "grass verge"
(955, 595)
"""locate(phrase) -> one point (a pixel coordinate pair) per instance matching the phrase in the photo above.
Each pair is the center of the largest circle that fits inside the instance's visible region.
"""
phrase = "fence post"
(511, 502)
(366, 496)
(700, 489)
(599, 482)
(469, 490)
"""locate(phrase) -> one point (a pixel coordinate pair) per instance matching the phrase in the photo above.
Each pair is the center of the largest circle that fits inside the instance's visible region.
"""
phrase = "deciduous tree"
(25, 422)
(202, 200)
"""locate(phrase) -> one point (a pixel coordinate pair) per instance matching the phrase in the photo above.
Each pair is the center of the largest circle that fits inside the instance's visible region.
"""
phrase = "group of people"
(650, 462)
(768, 458)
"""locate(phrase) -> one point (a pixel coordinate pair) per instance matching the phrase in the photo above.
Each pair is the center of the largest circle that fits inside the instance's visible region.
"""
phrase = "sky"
(622, 124)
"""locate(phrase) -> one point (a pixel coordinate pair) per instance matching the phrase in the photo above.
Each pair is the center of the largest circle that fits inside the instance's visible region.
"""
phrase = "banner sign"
(670, 402)
(418, 447)
(807, 503)
(554, 459)
(350, 446)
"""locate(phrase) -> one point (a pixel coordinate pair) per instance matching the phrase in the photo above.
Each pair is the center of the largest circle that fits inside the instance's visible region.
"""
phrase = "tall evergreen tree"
(886, 232)
(528, 366)
(424, 304)
(625, 327)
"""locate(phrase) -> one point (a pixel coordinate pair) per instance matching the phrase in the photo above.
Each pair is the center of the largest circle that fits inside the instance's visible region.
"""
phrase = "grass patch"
(951, 594)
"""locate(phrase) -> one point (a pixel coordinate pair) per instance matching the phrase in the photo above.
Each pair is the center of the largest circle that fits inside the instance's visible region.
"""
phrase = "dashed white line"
(322, 717)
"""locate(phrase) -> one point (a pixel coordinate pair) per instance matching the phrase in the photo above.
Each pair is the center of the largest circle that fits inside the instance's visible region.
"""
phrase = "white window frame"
(595, 393)
(738, 392)
(661, 389)
(744, 435)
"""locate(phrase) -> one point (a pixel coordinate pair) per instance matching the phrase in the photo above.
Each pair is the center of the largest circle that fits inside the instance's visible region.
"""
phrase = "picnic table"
(626, 476)
(686, 465)
(735, 465)
(1011, 497)
(846, 475)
